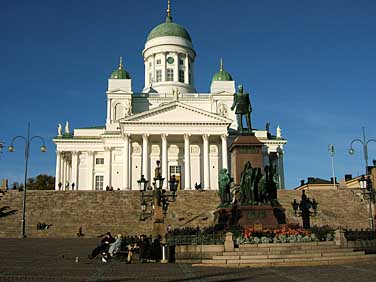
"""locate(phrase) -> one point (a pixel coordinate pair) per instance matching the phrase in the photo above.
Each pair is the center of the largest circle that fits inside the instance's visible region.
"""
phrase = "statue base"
(245, 148)
(256, 216)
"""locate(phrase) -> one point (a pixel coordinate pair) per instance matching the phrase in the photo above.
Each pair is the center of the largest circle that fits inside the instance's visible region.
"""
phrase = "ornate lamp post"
(368, 192)
(11, 149)
(159, 199)
(364, 143)
(303, 209)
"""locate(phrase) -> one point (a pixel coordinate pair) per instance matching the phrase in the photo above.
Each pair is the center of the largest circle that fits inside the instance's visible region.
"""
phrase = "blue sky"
(310, 67)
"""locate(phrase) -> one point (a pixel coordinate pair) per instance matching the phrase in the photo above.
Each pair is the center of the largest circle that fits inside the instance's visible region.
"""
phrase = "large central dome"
(169, 28)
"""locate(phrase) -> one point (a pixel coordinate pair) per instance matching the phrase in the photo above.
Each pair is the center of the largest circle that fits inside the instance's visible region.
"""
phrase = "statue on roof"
(242, 106)
(67, 128)
(59, 130)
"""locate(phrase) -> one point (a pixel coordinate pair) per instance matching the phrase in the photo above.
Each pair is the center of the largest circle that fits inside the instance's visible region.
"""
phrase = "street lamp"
(11, 149)
(159, 199)
(368, 192)
(303, 209)
(364, 142)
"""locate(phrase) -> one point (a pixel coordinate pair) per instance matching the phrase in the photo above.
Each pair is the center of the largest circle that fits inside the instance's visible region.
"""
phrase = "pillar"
(224, 151)
(58, 170)
(186, 69)
(108, 120)
(126, 162)
(145, 164)
(90, 161)
(176, 67)
(187, 162)
(107, 167)
(205, 138)
(164, 161)
(163, 63)
(75, 169)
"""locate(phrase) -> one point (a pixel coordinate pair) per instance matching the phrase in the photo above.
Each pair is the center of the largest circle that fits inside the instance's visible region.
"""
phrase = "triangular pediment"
(176, 112)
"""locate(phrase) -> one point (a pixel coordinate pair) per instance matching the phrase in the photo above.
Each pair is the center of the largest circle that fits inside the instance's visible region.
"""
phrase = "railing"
(356, 235)
(200, 239)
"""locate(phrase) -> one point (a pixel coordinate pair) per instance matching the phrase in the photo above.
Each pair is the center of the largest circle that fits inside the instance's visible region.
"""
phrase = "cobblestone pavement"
(54, 260)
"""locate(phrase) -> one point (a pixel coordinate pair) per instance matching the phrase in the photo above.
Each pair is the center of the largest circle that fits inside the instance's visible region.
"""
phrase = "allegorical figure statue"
(67, 128)
(245, 184)
(242, 106)
(59, 130)
(224, 186)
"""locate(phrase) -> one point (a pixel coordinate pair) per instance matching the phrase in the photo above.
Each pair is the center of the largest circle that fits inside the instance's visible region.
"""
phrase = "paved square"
(54, 260)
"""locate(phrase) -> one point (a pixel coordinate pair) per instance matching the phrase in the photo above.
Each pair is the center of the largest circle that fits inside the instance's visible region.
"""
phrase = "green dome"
(222, 75)
(120, 72)
(169, 28)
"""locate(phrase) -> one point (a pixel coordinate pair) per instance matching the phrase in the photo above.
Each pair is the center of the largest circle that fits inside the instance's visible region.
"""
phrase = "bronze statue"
(224, 186)
(246, 196)
(243, 107)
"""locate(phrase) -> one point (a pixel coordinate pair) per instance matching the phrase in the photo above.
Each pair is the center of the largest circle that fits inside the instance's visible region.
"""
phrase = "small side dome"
(222, 75)
(120, 72)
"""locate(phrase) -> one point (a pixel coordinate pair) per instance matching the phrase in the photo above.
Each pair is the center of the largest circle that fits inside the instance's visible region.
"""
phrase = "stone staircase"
(98, 212)
(119, 211)
(337, 208)
(260, 255)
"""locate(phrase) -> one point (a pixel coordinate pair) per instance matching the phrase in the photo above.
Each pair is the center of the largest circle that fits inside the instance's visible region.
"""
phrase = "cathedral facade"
(188, 132)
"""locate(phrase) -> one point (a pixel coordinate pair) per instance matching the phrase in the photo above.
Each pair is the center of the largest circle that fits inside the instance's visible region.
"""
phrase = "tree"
(41, 182)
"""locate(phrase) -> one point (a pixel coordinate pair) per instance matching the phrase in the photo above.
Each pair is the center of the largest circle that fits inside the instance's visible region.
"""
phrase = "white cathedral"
(188, 132)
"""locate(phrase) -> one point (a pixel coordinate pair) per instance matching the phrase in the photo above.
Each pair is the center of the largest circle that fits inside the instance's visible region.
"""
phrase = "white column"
(187, 163)
(126, 162)
(146, 73)
(58, 170)
(154, 73)
(224, 151)
(186, 69)
(66, 179)
(75, 169)
(90, 160)
(164, 161)
(163, 62)
(205, 138)
(176, 68)
(62, 170)
(145, 159)
(281, 172)
(108, 119)
(107, 167)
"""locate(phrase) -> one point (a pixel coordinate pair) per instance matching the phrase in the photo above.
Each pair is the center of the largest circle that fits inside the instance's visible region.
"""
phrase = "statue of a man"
(242, 106)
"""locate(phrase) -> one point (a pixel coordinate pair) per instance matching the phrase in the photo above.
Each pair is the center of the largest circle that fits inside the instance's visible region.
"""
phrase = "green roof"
(222, 75)
(120, 72)
(94, 127)
(169, 28)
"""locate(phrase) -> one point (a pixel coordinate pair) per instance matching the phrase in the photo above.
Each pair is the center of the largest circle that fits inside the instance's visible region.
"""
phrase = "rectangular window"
(181, 76)
(181, 61)
(158, 61)
(158, 75)
(170, 75)
(99, 182)
(99, 161)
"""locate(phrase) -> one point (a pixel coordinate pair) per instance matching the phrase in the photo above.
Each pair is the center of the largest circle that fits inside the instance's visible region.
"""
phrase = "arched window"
(119, 111)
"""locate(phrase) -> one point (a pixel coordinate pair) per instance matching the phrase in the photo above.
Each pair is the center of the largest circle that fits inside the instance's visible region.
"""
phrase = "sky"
(309, 66)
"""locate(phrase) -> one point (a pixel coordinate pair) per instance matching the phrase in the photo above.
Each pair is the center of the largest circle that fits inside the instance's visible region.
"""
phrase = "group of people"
(149, 250)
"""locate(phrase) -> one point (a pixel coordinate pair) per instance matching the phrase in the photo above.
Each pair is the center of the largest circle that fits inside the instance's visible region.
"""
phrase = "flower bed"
(288, 234)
